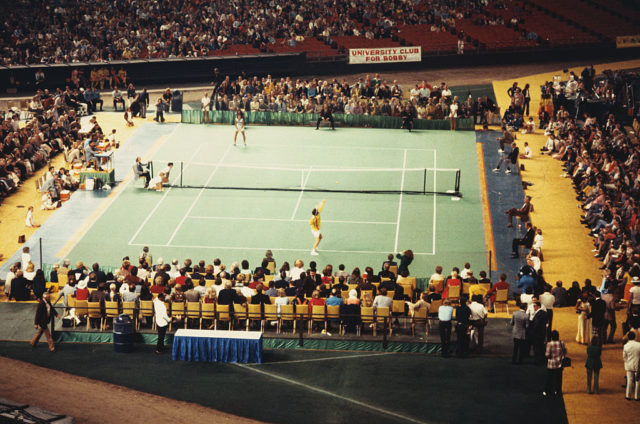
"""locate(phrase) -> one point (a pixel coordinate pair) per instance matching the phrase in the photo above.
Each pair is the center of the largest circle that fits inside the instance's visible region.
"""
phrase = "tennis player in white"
(239, 128)
(315, 223)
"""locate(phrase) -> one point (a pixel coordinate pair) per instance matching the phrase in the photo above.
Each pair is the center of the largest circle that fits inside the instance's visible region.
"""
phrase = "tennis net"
(221, 176)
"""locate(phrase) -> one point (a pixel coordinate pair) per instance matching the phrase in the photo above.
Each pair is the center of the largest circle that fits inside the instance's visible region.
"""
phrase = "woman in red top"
(452, 281)
(210, 297)
(82, 292)
(315, 300)
(327, 278)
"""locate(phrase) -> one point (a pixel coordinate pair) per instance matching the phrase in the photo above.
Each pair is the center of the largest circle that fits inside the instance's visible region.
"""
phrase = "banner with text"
(385, 55)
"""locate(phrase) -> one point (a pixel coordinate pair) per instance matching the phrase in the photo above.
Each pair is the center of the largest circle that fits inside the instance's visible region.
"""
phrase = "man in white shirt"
(631, 357)
(527, 154)
(478, 321)
(547, 300)
(162, 321)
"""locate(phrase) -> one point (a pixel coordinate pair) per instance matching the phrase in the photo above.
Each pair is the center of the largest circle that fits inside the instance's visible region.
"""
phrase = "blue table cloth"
(217, 346)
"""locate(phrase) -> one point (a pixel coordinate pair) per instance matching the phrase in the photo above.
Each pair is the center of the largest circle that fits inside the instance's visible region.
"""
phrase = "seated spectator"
(522, 212)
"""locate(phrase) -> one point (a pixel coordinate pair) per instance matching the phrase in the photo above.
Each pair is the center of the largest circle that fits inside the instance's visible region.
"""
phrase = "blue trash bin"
(123, 334)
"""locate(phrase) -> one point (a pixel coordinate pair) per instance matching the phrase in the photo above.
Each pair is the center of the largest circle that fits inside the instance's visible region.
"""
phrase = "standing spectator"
(478, 321)
(538, 332)
(206, 105)
(445, 314)
(547, 300)
(593, 365)
(463, 315)
(143, 102)
(519, 322)
(631, 357)
(406, 257)
(583, 309)
(162, 321)
(598, 322)
(160, 107)
(556, 352)
(610, 316)
(41, 323)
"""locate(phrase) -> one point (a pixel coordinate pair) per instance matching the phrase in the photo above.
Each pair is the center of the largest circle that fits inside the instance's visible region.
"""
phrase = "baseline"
(189, 246)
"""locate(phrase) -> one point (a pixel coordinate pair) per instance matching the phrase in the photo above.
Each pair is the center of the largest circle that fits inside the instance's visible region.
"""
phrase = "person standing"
(445, 314)
(631, 357)
(555, 353)
(41, 322)
(160, 107)
(205, 103)
(463, 313)
(162, 321)
(406, 257)
(583, 309)
(598, 322)
(143, 101)
(478, 321)
(315, 223)
(538, 333)
(519, 322)
(239, 128)
(593, 365)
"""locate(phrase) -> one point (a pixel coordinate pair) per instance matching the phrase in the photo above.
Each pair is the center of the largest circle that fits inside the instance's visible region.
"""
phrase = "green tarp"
(286, 118)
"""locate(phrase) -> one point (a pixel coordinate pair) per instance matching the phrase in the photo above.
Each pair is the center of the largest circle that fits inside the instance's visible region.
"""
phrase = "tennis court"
(236, 202)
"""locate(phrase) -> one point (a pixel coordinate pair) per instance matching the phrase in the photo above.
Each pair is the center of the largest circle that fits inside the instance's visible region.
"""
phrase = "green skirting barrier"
(267, 342)
(286, 118)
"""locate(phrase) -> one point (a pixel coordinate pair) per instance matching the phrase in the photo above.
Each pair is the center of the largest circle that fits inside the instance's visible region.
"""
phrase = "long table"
(217, 346)
(107, 177)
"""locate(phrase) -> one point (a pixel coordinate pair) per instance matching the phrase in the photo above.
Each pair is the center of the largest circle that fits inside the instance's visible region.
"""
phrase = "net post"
(151, 167)
(181, 163)
(457, 188)
(424, 182)
(40, 244)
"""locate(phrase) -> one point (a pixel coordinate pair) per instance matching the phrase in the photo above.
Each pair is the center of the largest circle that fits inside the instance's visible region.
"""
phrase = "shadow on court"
(322, 387)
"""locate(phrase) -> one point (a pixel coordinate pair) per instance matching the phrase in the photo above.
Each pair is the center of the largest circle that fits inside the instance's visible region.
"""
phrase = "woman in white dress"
(239, 128)
(583, 308)
(453, 112)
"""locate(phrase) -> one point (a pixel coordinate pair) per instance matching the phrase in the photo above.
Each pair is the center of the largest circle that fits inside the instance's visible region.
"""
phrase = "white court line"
(304, 184)
(299, 361)
(195, 201)
(328, 221)
(364, 405)
(320, 146)
(166, 193)
(435, 172)
(404, 165)
(195, 246)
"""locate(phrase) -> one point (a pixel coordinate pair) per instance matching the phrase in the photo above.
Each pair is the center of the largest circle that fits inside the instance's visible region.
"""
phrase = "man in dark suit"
(325, 115)
(598, 309)
(538, 333)
(526, 241)
(41, 322)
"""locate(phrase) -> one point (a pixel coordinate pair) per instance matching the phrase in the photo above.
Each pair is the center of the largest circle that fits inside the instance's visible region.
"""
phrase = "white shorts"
(316, 233)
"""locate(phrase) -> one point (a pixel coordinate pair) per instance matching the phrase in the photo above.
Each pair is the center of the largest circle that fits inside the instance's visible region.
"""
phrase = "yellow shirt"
(315, 222)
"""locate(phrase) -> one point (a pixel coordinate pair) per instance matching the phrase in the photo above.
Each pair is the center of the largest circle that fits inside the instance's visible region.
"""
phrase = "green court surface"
(323, 387)
(359, 229)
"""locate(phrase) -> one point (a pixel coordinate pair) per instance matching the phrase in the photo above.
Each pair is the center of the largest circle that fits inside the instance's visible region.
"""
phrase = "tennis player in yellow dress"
(314, 223)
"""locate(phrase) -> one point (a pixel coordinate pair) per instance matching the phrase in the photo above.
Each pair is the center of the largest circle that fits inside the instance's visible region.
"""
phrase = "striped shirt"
(556, 351)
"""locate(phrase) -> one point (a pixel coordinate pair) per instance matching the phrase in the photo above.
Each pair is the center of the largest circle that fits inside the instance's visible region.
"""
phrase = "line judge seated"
(140, 170)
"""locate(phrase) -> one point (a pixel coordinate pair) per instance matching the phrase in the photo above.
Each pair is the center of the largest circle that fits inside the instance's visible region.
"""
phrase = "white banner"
(385, 55)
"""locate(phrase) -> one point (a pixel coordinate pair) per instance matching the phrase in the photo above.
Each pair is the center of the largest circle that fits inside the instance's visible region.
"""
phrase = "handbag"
(566, 362)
